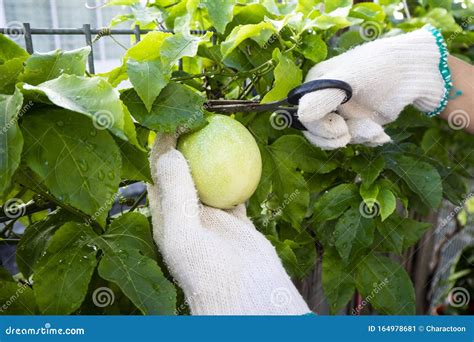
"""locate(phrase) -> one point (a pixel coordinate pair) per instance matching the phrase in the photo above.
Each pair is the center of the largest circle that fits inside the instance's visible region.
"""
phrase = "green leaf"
(35, 239)
(255, 205)
(16, 299)
(116, 75)
(412, 231)
(79, 164)
(325, 22)
(93, 97)
(67, 268)
(5, 275)
(177, 107)
(421, 177)
(127, 261)
(9, 73)
(348, 40)
(387, 202)
(454, 187)
(368, 168)
(11, 139)
(334, 202)
(387, 283)
(289, 186)
(149, 48)
(148, 79)
(369, 194)
(353, 230)
(220, 12)
(135, 164)
(313, 48)
(295, 151)
(41, 67)
(296, 249)
(440, 3)
(337, 280)
(10, 50)
(131, 231)
(399, 233)
(260, 33)
(318, 183)
(180, 45)
(391, 234)
(140, 278)
(121, 2)
(287, 76)
(331, 5)
(368, 11)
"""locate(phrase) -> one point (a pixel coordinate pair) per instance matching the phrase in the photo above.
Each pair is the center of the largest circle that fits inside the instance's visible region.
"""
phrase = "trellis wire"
(87, 31)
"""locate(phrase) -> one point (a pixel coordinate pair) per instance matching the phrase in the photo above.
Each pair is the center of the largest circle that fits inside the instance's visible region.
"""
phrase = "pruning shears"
(287, 106)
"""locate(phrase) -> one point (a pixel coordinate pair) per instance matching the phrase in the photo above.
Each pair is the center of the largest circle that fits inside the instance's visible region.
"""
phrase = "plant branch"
(137, 202)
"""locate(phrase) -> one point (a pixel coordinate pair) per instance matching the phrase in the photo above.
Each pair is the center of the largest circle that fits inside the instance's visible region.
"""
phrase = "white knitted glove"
(386, 75)
(223, 264)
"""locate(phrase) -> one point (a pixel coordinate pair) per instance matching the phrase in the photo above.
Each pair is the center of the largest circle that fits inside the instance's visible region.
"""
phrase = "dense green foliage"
(69, 138)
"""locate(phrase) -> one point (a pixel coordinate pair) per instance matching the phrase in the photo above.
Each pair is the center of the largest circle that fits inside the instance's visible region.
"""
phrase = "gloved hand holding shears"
(348, 98)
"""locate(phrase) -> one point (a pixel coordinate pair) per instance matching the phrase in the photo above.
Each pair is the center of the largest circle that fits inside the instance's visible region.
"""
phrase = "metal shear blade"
(287, 106)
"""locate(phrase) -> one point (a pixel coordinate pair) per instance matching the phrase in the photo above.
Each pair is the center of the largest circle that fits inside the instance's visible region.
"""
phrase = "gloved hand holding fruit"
(223, 264)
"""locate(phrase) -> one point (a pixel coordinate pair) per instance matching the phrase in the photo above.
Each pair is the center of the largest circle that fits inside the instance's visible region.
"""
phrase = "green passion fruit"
(225, 162)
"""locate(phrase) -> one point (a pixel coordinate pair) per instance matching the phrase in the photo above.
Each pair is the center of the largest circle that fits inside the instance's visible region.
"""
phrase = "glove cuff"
(443, 69)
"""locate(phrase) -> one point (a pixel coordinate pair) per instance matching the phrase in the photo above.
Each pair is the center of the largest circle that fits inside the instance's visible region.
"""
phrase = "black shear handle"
(297, 93)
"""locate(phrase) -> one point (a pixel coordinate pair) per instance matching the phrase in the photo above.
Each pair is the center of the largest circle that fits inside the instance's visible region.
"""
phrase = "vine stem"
(137, 202)
(260, 70)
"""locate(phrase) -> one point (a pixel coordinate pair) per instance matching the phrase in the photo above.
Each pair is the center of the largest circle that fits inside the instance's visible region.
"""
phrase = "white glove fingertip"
(316, 105)
(162, 144)
(328, 144)
(366, 131)
(330, 127)
(381, 139)
(176, 187)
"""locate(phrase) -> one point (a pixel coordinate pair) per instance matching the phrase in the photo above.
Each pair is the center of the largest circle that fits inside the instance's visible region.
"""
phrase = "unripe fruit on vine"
(225, 162)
